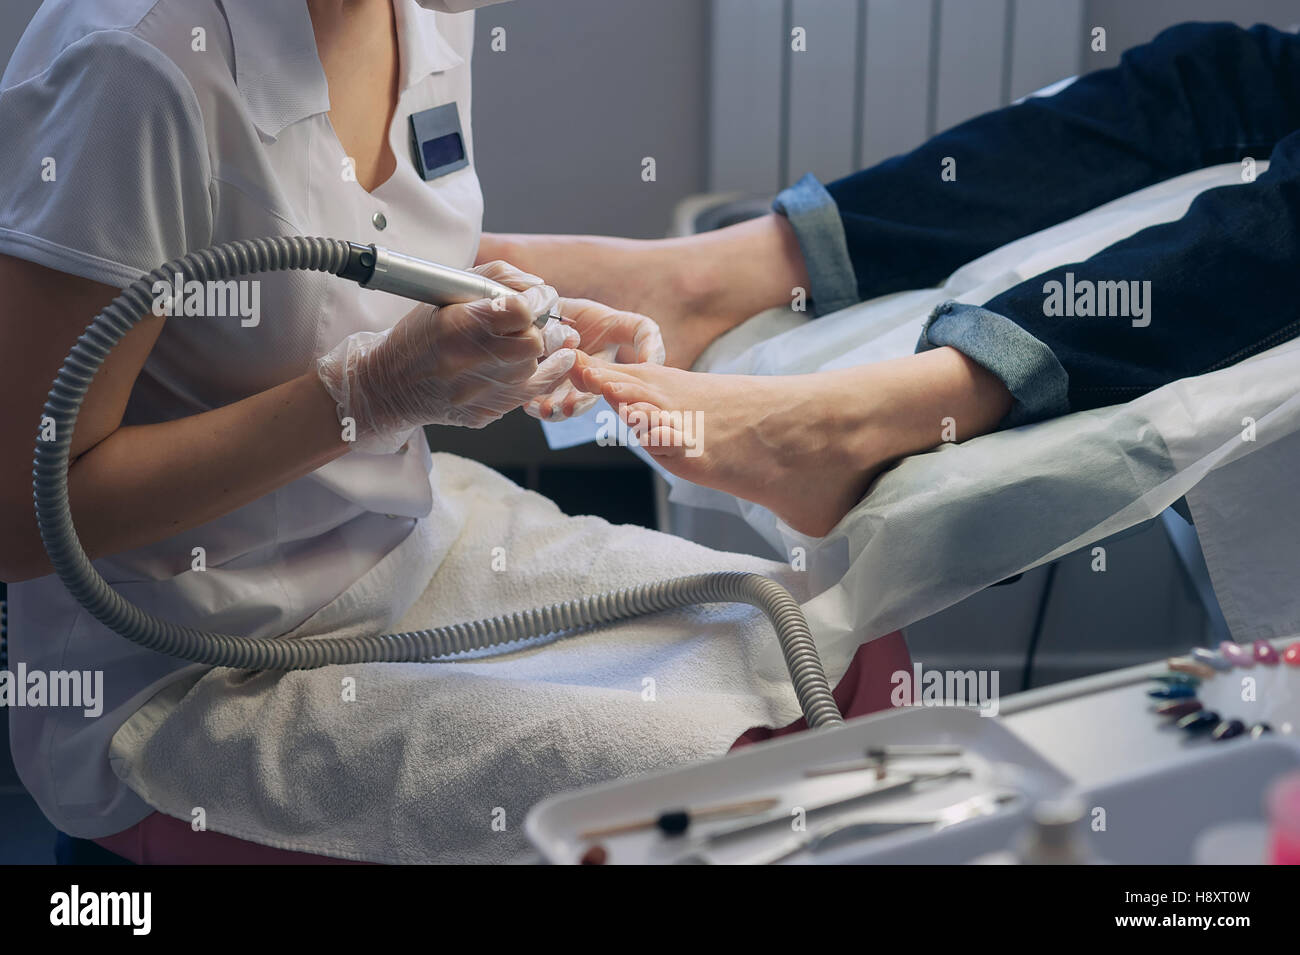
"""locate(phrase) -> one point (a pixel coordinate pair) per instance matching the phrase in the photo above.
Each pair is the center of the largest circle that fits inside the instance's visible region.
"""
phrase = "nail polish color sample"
(1210, 658)
(1178, 679)
(1186, 666)
(1292, 654)
(1175, 692)
(1202, 721)
(1228, 729)
(1177, 709)
(1236, 654)
(1260, 729)
(1265, 653)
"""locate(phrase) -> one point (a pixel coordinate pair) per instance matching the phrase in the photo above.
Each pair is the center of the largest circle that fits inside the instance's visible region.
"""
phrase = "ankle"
(931, 398)
(749, 267)
(842, 418)
(687, 268)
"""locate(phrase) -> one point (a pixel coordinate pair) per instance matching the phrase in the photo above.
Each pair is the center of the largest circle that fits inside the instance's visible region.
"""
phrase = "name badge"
(437, 142)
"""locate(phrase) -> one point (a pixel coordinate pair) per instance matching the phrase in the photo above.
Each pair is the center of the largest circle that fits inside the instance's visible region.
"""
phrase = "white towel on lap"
(440, 762)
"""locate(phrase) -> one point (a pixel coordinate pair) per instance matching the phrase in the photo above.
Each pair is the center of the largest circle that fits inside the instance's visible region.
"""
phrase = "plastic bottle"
(1283, 802)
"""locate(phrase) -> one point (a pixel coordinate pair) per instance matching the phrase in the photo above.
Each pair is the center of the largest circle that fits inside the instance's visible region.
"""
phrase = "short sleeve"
(104, 162)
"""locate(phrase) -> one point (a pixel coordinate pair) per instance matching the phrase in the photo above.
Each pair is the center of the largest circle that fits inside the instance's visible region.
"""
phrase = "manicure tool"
(674, 822)
(892, 786)
(376, 267)
(873, 823)
(878, 756)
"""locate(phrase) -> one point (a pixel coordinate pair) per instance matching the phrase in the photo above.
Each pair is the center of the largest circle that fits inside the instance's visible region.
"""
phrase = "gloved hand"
(463, 365)
(605, 333)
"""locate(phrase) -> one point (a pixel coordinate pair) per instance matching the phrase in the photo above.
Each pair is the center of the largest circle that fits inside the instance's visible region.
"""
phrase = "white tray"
(1151, 817)
(776, 769)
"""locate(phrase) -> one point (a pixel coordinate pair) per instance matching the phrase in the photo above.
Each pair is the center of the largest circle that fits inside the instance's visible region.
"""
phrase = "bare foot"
(793, 444)
(806, 447)
(650, 277)
(696, 287)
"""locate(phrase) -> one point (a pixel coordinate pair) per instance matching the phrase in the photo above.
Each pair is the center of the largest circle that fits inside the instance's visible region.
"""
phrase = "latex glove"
(463, 365)
(605, 333)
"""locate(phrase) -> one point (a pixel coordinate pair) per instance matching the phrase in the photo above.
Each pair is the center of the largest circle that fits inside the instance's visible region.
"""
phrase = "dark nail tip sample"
(1229, 729)
(1202, 721)
(1175, 692)
(1178, 708)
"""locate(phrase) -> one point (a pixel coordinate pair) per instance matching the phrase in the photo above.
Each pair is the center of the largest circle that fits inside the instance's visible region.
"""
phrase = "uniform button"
(380, 221)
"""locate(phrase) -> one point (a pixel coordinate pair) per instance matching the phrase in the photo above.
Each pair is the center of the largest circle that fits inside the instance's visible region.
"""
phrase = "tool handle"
(434, 284)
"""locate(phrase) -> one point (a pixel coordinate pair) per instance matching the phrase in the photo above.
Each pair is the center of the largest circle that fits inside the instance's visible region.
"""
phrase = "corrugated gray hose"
(70, 562)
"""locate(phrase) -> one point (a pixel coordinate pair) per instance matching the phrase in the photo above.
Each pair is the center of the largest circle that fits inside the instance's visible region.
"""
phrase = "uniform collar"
(278, 70)
(424, 49)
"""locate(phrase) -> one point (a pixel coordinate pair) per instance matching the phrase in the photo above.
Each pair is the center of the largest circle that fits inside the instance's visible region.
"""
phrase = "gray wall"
(584, 90)
(1130, 22)
(587, 88)
(873, 78)
(877, 77)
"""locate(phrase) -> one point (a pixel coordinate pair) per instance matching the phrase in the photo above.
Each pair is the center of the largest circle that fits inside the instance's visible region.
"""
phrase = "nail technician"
(137, 130)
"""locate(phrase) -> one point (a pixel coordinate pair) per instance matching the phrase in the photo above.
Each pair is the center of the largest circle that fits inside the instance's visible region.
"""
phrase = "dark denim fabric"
(817, 225)
(1223, 279)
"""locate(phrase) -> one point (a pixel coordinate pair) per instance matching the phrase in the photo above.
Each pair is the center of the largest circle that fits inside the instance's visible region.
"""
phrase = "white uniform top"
(137, 130)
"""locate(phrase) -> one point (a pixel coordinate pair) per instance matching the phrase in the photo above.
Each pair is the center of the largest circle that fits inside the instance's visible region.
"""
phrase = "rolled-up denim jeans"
(1215, 286)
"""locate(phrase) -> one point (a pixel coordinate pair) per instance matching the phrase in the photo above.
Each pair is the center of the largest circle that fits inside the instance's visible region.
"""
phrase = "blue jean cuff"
(815, 218)
(1026, 366)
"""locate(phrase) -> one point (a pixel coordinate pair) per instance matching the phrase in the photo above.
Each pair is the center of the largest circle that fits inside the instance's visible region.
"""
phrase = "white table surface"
(1101, 727)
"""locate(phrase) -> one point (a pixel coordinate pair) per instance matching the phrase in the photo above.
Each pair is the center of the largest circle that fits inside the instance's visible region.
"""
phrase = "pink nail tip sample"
(1236, 654)
(1265, 653)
